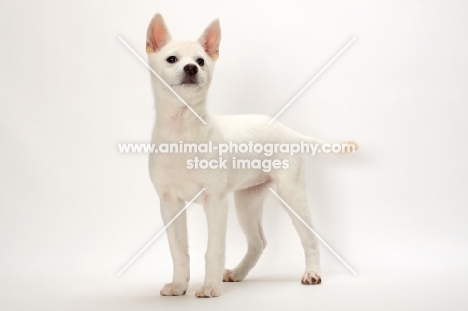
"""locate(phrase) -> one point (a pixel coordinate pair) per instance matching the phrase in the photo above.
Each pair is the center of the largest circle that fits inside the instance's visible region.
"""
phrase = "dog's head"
(185, 65)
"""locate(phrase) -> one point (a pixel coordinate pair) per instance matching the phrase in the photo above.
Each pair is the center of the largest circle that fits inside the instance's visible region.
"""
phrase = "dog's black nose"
(191, 69)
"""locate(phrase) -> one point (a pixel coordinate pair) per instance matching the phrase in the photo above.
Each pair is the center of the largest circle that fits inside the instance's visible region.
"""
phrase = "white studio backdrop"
(73, 207)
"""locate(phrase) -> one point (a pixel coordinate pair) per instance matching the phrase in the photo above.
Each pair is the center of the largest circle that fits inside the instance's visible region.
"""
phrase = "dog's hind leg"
(249, 208)
(291, 188)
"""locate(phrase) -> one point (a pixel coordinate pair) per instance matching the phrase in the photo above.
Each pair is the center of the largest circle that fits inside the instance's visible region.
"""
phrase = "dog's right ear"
(157, 35)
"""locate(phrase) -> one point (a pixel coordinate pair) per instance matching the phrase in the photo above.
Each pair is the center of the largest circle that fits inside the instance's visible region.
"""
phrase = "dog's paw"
(174, 289)
(311, 278)
(231, 276)
(208, 291)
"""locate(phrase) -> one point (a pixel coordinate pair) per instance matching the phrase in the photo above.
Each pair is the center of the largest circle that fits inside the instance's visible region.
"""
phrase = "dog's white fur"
(175, 184)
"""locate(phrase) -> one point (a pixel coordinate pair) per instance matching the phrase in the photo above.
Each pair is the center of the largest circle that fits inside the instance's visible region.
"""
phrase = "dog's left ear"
(211, 38)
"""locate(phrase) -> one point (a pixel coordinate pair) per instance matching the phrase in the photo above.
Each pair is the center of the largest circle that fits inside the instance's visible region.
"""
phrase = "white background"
(74, 210)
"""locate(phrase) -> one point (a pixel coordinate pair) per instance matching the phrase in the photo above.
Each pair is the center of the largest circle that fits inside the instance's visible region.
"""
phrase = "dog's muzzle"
(190, 74)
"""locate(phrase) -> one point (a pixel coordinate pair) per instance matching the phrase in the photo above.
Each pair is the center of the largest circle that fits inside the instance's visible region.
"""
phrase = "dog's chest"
(169, 173)
(171, 167)
(174, 171)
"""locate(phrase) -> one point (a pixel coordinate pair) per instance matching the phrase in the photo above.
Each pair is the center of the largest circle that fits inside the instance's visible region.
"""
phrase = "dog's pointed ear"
(157, 35)
(211, 38)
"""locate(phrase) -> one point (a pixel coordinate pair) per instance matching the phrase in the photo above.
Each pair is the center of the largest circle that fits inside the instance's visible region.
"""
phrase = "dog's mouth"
(188, 80)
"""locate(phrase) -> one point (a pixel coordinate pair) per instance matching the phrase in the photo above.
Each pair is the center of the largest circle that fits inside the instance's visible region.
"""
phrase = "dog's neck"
(176, 122)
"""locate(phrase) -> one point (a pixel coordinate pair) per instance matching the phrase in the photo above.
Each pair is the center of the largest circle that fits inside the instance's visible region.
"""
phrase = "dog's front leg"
(216, 209)
(178, 243)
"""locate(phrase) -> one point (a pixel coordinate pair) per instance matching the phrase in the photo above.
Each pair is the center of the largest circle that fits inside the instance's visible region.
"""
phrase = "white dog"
(188, 68)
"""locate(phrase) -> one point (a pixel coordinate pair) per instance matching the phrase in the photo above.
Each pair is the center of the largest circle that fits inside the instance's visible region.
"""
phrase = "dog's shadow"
(148, 295)
(270, 279)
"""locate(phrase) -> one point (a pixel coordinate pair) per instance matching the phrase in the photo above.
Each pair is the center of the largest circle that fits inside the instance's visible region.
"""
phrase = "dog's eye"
(201, 61)
(171, 59)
